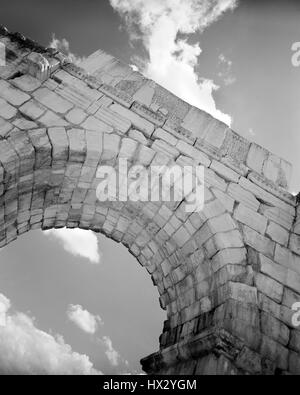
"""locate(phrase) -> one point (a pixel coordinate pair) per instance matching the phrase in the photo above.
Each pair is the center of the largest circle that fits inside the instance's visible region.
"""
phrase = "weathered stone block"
(111, 143)
(162, 146)
(78, 93)
(267, 197)
(5, 127)
(294, 363)
(92, 123)
(235, 146)
(196, 121)
(154, 117)
(249, 361)
(275, 352)
(39, 65)
(241, 195)
(290, 297)
(277, 215)
(212, 209)
(269, 306)
(26, 83)
(229, 256)
(231, 239)
(258, 242)
(52, 100)
(287, 259)
(250, 218)
(294, 243)
(256, 157)
(293, 280)
(138, 136)
(295, 340)
(138, 122)
(223, 197)
(145, 155)
(60, 144)
(193, 153)
(11, 94)
(50, 119)
(181, 236)
(163, 135)
(32, 109)
(144, 95)
(212, 179)
(274, 329)
(277, 233)
(277, 170)
(76, 116)
(128, 148)
(77, 145)
(113, 119)
(6, 110)
(271, 167)
(272, 269)
(24, 124)
(223, 223)
(224, 171)
(269, 287)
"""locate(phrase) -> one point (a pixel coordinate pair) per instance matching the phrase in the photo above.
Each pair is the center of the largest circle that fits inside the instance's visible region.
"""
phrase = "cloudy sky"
(81, 298)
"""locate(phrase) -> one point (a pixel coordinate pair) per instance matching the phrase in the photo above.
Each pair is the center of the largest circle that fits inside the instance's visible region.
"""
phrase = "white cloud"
(4, 307)
(112, 355)
(25, 349)
(90, 323)
(86, 321)
(225, 73)
(63, 46)
(78, 242)
(172, 60)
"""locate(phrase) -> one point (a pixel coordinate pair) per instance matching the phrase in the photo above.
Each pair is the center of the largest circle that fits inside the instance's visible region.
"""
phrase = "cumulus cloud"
(90, 323)
(172, 59)
(78, 242)
(112, 355)
(63, 46)
(25, 349)
(4, 307)
(86, 321)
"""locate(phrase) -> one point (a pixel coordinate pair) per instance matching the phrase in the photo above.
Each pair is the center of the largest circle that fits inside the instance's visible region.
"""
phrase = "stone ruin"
(228, 276)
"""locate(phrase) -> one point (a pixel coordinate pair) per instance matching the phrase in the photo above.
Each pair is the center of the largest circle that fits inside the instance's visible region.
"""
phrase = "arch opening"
(101, 307)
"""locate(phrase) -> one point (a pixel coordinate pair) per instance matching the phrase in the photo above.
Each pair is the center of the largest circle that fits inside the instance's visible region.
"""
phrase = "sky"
(82, 296)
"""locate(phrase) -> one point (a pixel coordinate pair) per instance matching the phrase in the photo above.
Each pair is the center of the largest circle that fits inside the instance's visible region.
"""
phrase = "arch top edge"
(193, 128)
(162, 108)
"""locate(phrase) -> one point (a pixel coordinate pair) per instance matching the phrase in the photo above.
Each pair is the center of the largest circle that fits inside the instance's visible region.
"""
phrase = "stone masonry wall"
(227, 276)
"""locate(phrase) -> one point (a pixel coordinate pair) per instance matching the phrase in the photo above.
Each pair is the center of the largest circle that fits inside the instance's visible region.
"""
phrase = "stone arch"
(193, 258)
(227, 276)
